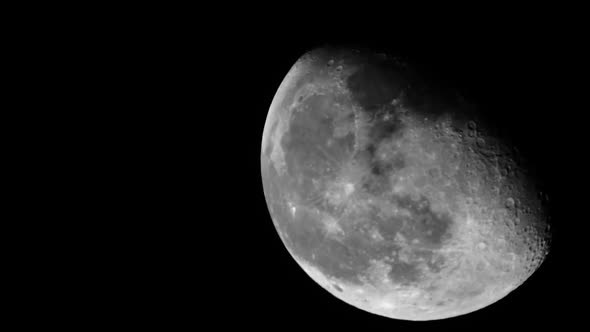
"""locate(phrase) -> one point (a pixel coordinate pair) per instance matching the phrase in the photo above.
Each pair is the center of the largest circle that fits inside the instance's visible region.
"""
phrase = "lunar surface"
(391, 198)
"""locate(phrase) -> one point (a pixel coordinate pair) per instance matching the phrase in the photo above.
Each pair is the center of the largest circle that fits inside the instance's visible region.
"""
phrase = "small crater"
(338, 288)
(471, 125)
(504, 172)
(510, 203)
(330, 63)
(480, 142)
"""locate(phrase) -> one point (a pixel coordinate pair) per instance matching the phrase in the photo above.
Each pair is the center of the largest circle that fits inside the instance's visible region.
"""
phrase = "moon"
(394, 197)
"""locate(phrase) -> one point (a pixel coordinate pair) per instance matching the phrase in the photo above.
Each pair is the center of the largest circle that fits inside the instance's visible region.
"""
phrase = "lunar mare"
(394, 203)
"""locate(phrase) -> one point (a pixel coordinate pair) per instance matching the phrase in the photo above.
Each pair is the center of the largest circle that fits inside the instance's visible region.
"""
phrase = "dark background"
(518, 75)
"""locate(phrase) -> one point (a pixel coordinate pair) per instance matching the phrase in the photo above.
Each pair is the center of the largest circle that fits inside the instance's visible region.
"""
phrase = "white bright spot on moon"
(292, 207)
(349, 188)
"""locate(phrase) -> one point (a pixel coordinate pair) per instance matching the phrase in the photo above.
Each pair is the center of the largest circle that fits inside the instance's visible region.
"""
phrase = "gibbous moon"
(396, 199)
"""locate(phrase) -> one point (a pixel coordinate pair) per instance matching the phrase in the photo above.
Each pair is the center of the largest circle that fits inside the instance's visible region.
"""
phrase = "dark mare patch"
(375, 84)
